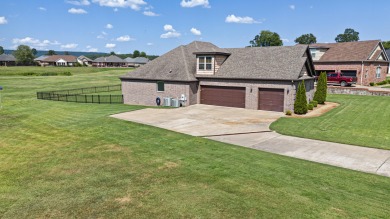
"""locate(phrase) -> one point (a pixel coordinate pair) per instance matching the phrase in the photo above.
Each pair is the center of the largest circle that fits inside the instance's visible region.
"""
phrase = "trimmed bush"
(310, 106)
(320, 94)
(300, 104)
(372, 84)
(382, 82)
(288, 113)
(314, 103)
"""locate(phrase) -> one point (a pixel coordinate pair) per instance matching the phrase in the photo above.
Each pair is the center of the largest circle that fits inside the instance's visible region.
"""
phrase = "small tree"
(24, 55)
(136, 54)
(349, 35)
(112, 53)
(306, 39)
(34, 51)
(300, 104)
(51, 52)
(320, 94)
(266, 38)
(142, 54)
(1, 50)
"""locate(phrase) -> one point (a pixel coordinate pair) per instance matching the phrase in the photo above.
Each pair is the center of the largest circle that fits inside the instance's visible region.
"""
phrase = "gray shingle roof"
(7, 58)
(141, 60)
(84, 57)
(179, 64)
(388, 52)
(129, 60)
(111, 58)
(41, 58)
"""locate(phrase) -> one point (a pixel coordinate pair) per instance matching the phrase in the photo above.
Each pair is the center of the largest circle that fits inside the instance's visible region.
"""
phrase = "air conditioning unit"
(175, 103)
(167, 101)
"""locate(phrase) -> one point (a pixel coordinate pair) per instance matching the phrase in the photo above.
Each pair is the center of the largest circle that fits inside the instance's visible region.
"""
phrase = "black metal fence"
(84, 95)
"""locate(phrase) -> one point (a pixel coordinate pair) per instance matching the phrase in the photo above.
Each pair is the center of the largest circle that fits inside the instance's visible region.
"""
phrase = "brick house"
(367, 60)
(56, 60)
(264, 78)
(110, 61)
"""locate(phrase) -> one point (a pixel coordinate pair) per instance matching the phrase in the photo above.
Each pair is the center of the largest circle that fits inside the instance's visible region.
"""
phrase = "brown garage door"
(223, 96)
(271, 99)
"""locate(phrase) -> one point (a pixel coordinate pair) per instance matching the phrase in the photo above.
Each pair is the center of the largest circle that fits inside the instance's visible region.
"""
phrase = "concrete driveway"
(204, 120)
(250, 128)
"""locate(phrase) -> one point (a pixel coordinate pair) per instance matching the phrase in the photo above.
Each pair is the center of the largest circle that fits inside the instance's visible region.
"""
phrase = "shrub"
(300, 104)
(382, 82)
(66, 73)
(288, 113)
(320, 94)
(310, 106)
(372, 84)
(314, 103)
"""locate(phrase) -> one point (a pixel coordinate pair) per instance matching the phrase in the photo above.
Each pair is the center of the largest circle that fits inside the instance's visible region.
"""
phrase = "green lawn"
(62, 159)
(23, 70)
(359, 120)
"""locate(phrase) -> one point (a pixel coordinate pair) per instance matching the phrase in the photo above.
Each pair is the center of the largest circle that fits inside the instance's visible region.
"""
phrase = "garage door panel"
(271, 99)
(223, 96)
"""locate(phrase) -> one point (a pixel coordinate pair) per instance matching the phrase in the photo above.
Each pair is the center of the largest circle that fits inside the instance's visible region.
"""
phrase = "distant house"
(367, 60)
(7, 60)
(259, 78)
(110, 61)
(84, 60)
(56, 60)
(136, 62)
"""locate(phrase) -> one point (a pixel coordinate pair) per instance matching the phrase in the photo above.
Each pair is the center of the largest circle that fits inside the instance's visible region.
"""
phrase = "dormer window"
(205, 63)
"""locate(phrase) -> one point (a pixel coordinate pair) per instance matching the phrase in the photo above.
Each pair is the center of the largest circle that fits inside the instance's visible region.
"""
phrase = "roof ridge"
(185, 61)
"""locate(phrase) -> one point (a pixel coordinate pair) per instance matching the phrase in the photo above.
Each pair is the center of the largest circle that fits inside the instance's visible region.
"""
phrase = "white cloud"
(292, 7)
(104, 33)
(92, 49)
(124, 38)
(110, 45)
(286, 40)
(3, 20)
(109, 26)
(80, 2)
(38, 44)
(69, 46)
(115, 10)
(77, 11)
(150, 13)
(168, 27)
(196, 32)
(170, 32)
(170, 35)
(241, 20)
(100, 37)
(194, 3)
(42, 9)
(149, 44)
(133, 4)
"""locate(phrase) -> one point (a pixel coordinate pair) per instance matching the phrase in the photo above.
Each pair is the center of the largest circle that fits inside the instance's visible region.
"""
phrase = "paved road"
(250, 128)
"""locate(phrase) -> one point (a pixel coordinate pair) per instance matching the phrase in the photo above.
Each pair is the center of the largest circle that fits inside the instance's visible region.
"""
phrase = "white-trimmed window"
(205, 63)
(378, 72)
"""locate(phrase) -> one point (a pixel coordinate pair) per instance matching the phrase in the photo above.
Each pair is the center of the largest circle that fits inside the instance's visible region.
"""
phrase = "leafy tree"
(306, 39)
(386, 44)
(136, 54)
(300, 104)
(34, 51)
(51, 52)
(24, 55)
(266, 38)
(66, 53)
(1, 50)
(142, 54)
(112, 53)
(349, 35)
(320, 94)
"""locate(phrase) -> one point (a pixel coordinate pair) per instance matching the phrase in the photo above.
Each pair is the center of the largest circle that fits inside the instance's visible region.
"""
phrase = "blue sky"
(157, 26)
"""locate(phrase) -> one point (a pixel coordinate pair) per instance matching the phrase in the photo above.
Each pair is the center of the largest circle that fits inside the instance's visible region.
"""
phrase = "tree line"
(269, 38)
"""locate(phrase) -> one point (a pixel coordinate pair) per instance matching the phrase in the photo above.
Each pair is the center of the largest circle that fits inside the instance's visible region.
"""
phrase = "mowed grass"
(359, 120)
(23, 70)
(61, 159)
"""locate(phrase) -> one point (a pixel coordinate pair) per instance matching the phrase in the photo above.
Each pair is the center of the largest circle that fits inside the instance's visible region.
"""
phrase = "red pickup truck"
(339, 79)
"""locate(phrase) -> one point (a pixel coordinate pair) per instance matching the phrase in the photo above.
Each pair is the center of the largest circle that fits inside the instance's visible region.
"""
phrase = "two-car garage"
(269, 99)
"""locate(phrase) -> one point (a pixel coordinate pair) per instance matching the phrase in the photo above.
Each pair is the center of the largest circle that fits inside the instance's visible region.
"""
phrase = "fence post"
(99, 98)
(85, 97)
(76, 98)
(66, 97)
(110, 99)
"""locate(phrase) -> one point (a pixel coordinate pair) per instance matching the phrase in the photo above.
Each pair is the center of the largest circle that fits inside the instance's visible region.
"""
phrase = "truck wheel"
(343, 84)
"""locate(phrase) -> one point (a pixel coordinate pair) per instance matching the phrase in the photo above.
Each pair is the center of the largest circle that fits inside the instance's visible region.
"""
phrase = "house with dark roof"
(7, 60)
(136, 62)
(56, 60)
(259, 78)
(110, 61)
(367, 60)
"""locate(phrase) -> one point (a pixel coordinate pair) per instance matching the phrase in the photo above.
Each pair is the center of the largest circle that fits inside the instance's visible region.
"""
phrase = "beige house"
(263, 78)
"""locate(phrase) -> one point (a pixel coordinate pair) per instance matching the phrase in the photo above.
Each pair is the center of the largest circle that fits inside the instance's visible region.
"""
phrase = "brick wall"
(369, 70)
(145, 92)
(357, 91)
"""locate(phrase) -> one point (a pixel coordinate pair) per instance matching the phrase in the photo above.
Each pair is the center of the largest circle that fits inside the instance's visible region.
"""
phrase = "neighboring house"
(56, 60)
(367, 60)
(388, 55)
(84, 60)
(7, 60)
(136, 62)
(264, 78)
(110, 61)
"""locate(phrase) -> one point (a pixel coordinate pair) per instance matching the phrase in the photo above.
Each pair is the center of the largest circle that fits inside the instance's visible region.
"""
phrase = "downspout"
(361, 74)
